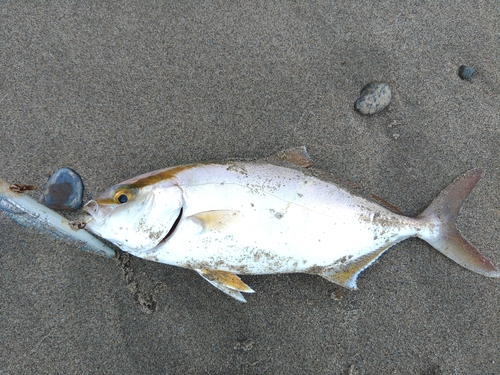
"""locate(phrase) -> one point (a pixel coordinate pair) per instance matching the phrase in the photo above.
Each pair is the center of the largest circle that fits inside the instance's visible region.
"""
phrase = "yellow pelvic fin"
(217, 219)
(295, 157)
(227, 282)
(347, 275)
(228, 279)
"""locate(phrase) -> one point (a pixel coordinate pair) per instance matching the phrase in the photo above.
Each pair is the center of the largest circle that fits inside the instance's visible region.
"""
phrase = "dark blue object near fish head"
(63, 190)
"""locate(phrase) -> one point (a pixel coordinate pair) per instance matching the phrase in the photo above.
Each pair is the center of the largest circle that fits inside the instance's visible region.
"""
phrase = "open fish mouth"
(172, 229)
(93, 211)
(91, 208)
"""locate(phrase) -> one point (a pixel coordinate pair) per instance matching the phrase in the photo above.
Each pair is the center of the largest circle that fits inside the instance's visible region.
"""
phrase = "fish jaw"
(141, 223)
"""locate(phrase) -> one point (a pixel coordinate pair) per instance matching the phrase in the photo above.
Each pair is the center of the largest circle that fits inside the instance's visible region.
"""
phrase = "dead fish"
(276, 215)
(31, 214)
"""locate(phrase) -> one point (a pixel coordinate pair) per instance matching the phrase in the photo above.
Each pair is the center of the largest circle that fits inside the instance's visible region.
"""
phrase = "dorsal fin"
(374, 197)
(297, 157)
(386, 204)
(352, 187)
(292, 157)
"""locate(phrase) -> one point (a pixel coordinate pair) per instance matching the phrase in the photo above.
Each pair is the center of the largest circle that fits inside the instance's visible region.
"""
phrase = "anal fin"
(227, 282)
(347, 275)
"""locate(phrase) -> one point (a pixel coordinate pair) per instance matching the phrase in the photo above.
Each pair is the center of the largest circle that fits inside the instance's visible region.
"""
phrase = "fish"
(276, 215)
(31, 214)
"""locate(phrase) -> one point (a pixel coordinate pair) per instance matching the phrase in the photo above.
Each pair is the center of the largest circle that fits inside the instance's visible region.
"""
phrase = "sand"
(115, 89)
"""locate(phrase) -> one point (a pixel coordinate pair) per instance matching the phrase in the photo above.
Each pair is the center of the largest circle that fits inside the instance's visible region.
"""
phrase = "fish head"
(136, 216)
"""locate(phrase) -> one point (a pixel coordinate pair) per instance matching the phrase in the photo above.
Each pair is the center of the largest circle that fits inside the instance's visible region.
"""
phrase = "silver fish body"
(271, 216)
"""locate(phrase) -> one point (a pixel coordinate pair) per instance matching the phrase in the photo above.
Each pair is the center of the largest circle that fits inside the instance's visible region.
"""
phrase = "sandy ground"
(117, 89)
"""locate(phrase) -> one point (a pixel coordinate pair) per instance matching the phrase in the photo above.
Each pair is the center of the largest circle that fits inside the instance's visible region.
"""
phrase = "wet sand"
(114, 90)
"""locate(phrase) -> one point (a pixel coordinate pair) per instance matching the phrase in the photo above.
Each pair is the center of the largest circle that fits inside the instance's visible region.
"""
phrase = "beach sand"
(115, 89)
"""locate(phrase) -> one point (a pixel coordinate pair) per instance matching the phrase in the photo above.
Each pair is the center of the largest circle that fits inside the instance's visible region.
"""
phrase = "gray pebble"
(63, 190)
(374, 98)
(465, 72)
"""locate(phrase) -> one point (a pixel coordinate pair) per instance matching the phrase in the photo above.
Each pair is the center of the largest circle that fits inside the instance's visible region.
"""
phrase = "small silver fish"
(276, 215)
(31, 214)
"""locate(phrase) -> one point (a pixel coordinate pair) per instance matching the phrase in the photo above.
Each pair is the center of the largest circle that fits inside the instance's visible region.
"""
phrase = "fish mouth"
(92, 211)
(90, 207)
(172, 229)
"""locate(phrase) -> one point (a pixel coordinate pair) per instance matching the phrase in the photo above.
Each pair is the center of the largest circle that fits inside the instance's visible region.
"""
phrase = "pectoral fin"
(227, 282)
(348, 274)
(216, 219)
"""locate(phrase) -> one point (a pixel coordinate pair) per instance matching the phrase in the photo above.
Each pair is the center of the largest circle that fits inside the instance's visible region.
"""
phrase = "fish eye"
(123, 195)
(122, 198)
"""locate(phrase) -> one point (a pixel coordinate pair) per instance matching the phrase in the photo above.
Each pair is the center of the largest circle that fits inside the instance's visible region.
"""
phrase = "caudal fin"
(445, 237)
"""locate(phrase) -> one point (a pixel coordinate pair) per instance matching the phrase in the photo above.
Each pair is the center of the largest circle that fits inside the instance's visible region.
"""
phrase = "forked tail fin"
(445, 237)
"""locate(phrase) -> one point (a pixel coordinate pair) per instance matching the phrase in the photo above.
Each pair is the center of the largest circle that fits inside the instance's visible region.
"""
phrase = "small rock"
(245, 345)
(394, 124)
(63, 190)
(465, 72)
(374, 98)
